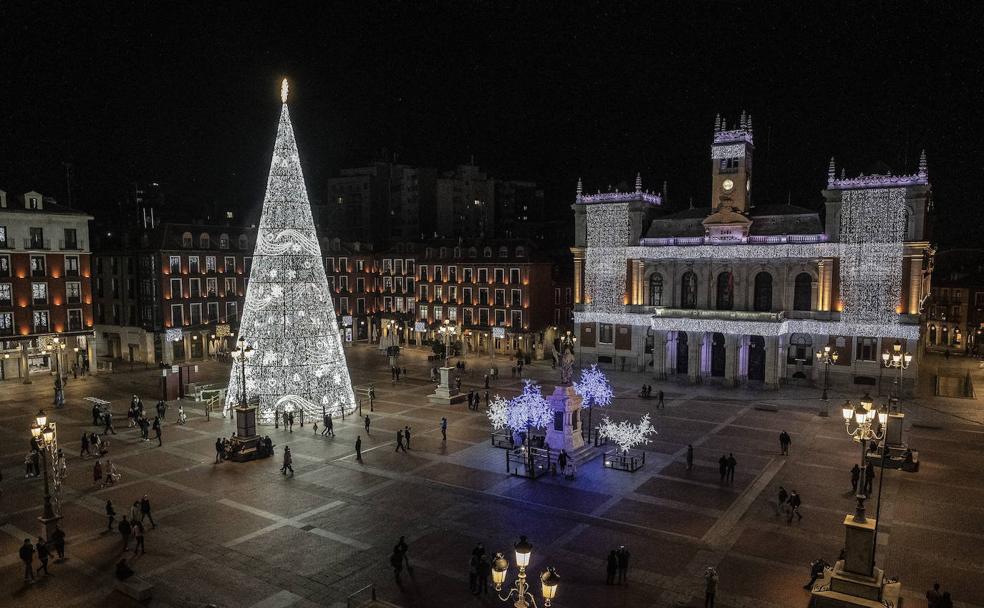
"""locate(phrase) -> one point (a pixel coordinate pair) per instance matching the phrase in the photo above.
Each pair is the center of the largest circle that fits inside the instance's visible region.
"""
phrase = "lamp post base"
(48, 525)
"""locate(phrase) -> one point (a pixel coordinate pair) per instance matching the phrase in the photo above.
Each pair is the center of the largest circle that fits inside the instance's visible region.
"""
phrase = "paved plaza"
(235, 534)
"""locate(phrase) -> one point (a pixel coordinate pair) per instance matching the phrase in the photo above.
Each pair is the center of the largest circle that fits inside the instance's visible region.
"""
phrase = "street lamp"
(43, 435)
(899, 360)
(549, 580)
(245, 352)
(865, 430)
(447, 331)
(56, 348)
(826, 357)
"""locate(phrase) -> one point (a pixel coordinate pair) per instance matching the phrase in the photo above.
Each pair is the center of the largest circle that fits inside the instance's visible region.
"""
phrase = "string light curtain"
(605, 258)
(288, 316)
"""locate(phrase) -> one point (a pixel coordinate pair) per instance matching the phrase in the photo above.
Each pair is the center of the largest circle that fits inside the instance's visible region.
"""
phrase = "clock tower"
(731, 158)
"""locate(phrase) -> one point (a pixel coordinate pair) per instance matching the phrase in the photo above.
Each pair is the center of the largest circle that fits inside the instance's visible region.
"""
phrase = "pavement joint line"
(280, 599)
(721, 534)
(345, 540)
(674, 504)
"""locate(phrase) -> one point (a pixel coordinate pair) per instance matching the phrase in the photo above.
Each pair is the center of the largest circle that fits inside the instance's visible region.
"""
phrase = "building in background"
(465, 204)
(519, 209)
(743, 294)
(45, 299)
(955, 309)
(170, 294)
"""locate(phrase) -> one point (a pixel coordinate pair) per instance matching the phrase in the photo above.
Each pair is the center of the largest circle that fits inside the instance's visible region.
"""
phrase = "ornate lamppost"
(44, 438)
(899, 360)
(244, 353)
(447, 332)
(55, 350)
(826, 357)
(549, 580)
(865, 415)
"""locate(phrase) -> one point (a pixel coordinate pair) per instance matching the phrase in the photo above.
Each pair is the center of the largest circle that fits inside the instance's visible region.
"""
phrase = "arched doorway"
(682, 353)
(763, 292)
(725, 291)
(688, 290)
(756, 359)
(803, 292)
(717, 355)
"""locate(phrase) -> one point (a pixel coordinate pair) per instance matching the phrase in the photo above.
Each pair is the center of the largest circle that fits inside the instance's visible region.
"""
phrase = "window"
(212, 308)
(6, 324)
(229, 265)
(452, 313)
(4, 265)
(360, 265)
(516, 299)
(6, 294)
(439, 293)
(73, 292)
(483, 275)
(343, 265)
(39, 293)
(398, 285)
(466, 314)
(503, 252)
(211, 287)
(186, 240)
(438, 313)
(520, 252)
(243, 242)
(360, 284)
(203, 241)
(330, 265)
(72, 265)
(499, 275)
(483, 295)
(606, 333)
(725, 291)
(556, 295)
(452, 293)
(409, 285)
(763, 292)
(500, 317)
(399, 305)
(423, 293)
(40, 321)
(438, 274)
(866, 349)
(223, 241)
(655, 290)
(409, 267)
(343, 305)
(466, 295)
(331, 283)
(3, 237)
(37, 266)
(483, 316)
(688, 290)
(210, 263)
(360, 306)
(193, 264)
(195, 288)
(516, 318)
(423, 312)
(175, 264)
(70, 240)
(177, 315)
(500, 297)
(247, 265)
(232, 312)
(176, 288)
(423, 273)
(488, 252)
(37, 238)
(978, 298)
(803, 292)
(387, 266)
(230, 287)
(196, 313)
(452, 274)
(514, 276)
(467, 272)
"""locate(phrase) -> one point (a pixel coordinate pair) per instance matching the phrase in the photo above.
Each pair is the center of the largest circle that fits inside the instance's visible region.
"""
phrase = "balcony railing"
(76, 245)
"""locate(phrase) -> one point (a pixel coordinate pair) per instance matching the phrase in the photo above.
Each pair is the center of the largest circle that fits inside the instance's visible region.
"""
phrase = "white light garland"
(528, 410)
(625, 434)
(605, 258)
(288, 316)
(731, 151)
(872, 230)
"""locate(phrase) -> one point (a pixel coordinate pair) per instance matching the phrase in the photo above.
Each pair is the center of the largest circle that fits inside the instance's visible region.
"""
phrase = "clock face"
(728, 185)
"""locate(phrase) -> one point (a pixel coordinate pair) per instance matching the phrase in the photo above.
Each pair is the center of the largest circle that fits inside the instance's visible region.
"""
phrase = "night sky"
(188, 96)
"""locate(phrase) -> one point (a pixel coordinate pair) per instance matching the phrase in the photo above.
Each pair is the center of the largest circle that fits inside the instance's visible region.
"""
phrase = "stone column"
(743, 344)
(730, 360)
(771, 361)
(659, 355)
(915, 284)
(578, 253)
(783, 350)
(694, 342)
(25, 367)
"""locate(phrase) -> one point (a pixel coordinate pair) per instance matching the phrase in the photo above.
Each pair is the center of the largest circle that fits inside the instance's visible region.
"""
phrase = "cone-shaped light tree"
(288, 317)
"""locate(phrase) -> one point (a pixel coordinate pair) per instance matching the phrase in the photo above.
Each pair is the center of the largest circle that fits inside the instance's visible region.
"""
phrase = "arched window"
(503, 252)
(763, 292)
(186, 240)
(688, 290)
(520, 252)
(223, 241)
(803, 292)
(203, 241)
(472, 252)
(444, 252)
(243, 241)
(725, 291)
(457, 252)
(656, 289)
(488, 252)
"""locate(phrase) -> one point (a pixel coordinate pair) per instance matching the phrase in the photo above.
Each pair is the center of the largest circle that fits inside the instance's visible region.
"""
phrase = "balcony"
(39, 244)
(72, 245)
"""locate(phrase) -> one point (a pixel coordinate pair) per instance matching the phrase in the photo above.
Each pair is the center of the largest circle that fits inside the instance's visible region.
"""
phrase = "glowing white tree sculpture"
(288, 316)
(528, 410)
(594, 389)
(625, 434)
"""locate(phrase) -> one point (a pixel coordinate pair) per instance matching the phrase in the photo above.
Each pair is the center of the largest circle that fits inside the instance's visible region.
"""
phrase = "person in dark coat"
(484, 570)
(731, 467)
(723, 466)
(358, 448)
(933, 596)
(623, 564)
(26, 554)
(869, 480)
(145, 510)
(611, 567)
(816, 571)
(58, 540)
(42, 551)
(125, 530)
(111, 514)
(855, 478)
(399, 441)
(784, 441)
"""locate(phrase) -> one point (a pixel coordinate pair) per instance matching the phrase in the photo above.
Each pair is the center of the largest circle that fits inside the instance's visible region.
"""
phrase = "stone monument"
(446, 393)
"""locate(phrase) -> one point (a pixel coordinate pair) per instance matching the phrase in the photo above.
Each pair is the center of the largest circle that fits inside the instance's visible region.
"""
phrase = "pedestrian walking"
(784, 441)
(138, 537)
(97, 472)
(855, 477)
(399, 441)
(869, 479)
(358, 448)
(406, 435)
(781, 500)
(285, 418)
(58, 540)
(367, 424)
(42, 550)
(402, 547)
(108, 422)
(794, 506)
(611, 567)
(110, 514)
(690, 457)
(933, 596)
(26, 554)
(484, 570)
(290, 422)
(125, 530)
(85, 446)
(723, 466)
(287, 462)
(444, 428)
(396, 561)
(660, 404)
(623, 564)
(219, 450)
(731, 467)
(157, 432)
(710, 586)
(135, 511)
(486, 398)
(145, 510)
(562, 461)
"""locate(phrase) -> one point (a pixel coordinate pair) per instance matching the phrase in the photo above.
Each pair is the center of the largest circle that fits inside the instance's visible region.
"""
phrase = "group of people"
(29, 550)
(726, 466)
(136, 416)
(104, 475)
(396, 372)
(937, 599)
(475, 400)
(479, 569)
(618, 564)
(869, 479)
(647, 393)
(403, 439)
(788, 504)
(131, 523)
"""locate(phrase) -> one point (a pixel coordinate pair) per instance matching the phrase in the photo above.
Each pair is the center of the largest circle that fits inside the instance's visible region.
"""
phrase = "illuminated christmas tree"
(288, 317)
